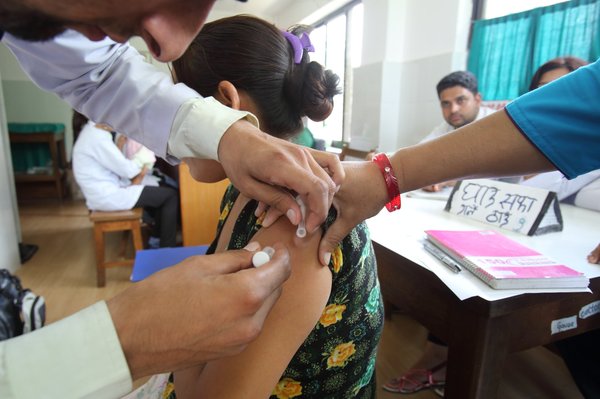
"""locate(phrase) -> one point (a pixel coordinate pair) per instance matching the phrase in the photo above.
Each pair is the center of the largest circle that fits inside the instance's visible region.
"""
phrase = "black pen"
(442, 257)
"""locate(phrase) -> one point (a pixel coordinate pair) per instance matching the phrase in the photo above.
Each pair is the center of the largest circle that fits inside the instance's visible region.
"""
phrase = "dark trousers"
(163, 202)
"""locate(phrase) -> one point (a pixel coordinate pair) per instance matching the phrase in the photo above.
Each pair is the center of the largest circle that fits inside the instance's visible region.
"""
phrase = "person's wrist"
(122, 321)
(393, 202)
(114, 308)
(232, 135)
(370, 178)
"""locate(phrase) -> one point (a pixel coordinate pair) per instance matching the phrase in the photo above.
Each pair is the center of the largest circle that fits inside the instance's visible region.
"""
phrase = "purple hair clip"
(299, 44)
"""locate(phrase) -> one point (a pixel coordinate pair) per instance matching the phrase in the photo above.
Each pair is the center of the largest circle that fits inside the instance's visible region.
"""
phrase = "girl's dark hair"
(570, 63)
(256, 58)
(78, 122)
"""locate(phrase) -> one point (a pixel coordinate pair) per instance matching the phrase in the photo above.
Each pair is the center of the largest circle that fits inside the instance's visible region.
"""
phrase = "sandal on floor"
(415, 380)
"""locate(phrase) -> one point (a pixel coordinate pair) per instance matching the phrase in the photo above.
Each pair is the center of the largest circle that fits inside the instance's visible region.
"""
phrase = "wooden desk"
(480, 333)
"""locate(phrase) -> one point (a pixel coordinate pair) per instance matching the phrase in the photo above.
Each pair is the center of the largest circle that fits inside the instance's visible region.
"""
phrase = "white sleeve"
(109, 156)
(589, 196)
(557, 182)
(112, 83)
(199, 112)
(77, 357)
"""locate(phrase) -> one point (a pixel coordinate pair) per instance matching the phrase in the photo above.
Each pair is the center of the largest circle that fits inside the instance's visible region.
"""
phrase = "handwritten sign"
(526, 210)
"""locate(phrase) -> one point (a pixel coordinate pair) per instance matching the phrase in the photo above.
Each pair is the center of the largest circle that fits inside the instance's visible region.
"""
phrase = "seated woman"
(111, 182)
(320, 340)
(584, 190)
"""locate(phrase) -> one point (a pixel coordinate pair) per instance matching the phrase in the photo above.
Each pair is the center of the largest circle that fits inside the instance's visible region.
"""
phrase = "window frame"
(347, 83)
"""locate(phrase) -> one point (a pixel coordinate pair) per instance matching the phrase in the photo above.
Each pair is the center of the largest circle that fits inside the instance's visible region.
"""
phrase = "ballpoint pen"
(442, 257)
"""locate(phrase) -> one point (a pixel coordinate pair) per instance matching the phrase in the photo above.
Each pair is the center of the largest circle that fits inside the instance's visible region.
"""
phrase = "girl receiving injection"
(320, 340)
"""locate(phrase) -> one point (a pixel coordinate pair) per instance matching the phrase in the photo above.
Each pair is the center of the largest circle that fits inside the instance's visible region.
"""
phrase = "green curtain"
(505, 52)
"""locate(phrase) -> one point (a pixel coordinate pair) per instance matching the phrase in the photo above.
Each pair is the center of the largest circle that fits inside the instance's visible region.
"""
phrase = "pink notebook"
(503, 263)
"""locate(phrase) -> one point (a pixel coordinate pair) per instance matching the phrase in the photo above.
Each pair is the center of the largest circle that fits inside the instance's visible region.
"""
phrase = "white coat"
(103, 172)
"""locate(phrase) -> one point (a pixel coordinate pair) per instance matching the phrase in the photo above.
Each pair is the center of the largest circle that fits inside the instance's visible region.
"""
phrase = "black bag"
(21, 311)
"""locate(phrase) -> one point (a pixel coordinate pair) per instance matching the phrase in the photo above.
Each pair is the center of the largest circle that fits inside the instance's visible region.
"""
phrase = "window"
(500, 8)
(505, 51)
(338, 45)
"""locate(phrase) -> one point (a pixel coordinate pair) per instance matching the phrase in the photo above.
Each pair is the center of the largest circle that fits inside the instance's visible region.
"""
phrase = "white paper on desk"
(412, 249)
(441, 195)
(466, 285)
(403, 231)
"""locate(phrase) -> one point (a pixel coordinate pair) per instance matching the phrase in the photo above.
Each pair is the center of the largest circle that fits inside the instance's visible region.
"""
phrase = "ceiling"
(255, 7)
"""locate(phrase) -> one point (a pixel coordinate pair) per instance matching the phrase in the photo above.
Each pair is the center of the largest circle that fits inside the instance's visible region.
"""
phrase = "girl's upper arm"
(255, 372)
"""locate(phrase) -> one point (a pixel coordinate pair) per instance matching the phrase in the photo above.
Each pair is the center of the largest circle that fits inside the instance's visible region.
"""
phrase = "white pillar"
(408, 46)
(10, 233)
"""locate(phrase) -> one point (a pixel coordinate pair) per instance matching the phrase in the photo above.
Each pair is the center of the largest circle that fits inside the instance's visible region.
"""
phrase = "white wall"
(25, 102)
(409, 45)
(10, 232)
(305, 11)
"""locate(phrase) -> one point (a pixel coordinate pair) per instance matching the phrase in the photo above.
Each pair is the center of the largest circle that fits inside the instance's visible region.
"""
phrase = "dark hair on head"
(256, 58)
(459, 78)
(78, 122)
(24, 22)
(570, 63)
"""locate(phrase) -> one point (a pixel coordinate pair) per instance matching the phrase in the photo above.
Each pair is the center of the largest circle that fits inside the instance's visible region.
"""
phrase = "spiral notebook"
(503, 263)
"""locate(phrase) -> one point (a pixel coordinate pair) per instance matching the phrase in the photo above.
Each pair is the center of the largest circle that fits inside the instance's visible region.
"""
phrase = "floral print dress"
(337, 359)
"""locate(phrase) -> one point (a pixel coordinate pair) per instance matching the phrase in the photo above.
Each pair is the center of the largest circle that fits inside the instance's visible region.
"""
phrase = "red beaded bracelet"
(391, 182)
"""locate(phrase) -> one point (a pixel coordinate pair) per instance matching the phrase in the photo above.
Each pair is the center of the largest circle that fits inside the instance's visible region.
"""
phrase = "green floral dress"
(337, 359)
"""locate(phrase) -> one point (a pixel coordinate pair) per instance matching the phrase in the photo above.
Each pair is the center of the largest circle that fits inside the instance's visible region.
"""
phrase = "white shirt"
(112, 83)
(586, 187)
(589, 196)
(102, 171)
(445, 128)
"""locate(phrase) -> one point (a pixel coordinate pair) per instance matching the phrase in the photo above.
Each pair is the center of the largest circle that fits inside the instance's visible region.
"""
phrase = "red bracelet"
(391, 182)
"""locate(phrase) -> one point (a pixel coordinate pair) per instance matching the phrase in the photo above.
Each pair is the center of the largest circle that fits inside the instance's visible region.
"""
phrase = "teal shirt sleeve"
(562, 119)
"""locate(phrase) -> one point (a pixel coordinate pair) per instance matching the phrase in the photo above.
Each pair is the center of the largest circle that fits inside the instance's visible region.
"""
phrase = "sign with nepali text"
(525, 210)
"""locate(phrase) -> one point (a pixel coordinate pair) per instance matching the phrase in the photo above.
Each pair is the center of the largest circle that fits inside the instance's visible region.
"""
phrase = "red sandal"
(415, 380)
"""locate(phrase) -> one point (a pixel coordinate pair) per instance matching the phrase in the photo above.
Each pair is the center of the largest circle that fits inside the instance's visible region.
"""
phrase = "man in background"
(460, 102)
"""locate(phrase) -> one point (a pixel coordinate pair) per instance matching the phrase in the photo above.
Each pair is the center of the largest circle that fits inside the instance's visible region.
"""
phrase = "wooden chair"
(200, 208)
(129, 220)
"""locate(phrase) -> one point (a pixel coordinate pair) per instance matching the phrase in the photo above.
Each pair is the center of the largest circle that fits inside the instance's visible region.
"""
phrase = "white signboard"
(526, 210)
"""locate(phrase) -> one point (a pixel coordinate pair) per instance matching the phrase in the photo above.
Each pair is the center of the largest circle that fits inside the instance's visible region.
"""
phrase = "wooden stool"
(115, 221)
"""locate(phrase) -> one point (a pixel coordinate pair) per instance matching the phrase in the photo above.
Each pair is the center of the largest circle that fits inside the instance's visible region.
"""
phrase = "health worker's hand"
(266, 168)
(201, 309)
